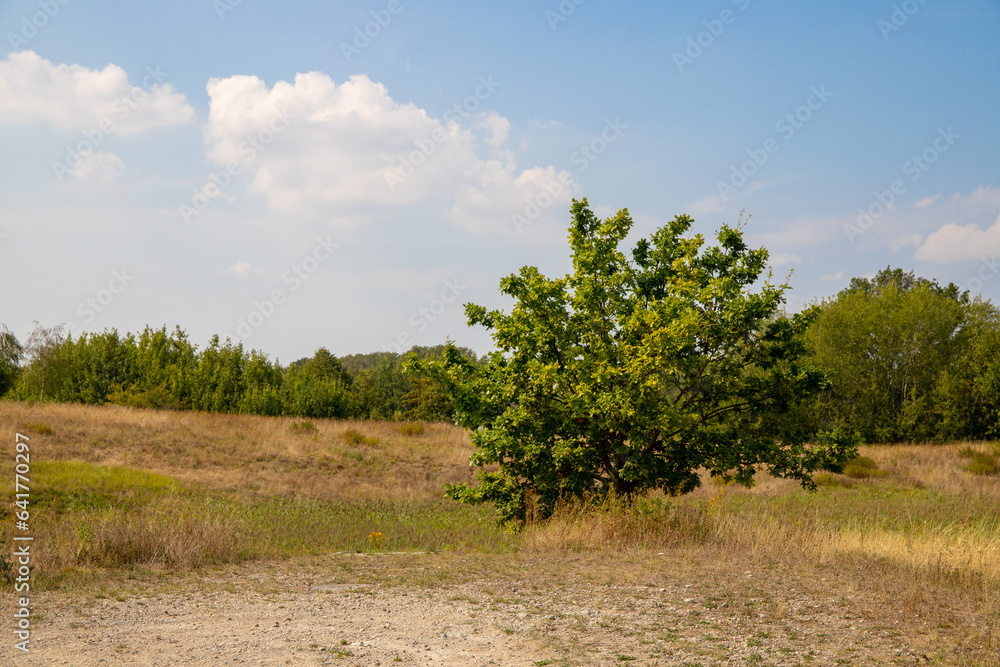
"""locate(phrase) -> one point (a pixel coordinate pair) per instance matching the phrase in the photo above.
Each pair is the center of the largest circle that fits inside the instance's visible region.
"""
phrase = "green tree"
(45, 368)
(11, 352)
(886, 342)
(378, 390)
(633, 372)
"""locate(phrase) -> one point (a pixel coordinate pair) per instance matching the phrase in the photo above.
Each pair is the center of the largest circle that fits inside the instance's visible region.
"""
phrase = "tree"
(42, 348)
(631, 373)
(11, 352)
(886, 342)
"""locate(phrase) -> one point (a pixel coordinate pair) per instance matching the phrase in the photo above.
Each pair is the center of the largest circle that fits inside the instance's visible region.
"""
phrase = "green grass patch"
(303, 428)
(863, 468)
(72, 485)
(412, 429)
(102, 516)
(353, 437)
(982, 464)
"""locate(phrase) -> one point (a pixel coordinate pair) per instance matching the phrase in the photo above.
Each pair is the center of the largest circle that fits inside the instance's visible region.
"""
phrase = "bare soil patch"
(514, 609)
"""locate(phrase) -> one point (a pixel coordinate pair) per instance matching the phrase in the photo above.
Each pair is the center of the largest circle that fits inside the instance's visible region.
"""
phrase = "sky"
(349, 174)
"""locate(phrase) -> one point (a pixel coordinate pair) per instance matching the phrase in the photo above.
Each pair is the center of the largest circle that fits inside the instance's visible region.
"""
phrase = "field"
(326, 542)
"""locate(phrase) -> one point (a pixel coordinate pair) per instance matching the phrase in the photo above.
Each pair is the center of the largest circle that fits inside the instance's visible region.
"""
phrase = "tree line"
(907, 358)
(162, 369)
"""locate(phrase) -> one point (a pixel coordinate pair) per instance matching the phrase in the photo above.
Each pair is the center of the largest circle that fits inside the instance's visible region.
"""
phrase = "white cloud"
(954, 242)
(980, 199)
(835, 276)
(781, 258)
(97, 166)
(497, 125)
(927, 201)
(913, 239)
(543, 124)
(351, 153)
(241, 268)
(73, 97)
(714, 204)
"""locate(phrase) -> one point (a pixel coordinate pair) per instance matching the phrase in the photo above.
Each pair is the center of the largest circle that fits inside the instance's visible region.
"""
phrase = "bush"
(353, 437)
(862, 468)
(832, 481)
(412, 429)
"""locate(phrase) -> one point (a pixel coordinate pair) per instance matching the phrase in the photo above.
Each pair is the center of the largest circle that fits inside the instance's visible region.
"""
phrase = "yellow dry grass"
(250, 455)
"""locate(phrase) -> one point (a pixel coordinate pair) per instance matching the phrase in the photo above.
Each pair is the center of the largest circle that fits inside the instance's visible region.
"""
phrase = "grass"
(981, 463)
(121, 488)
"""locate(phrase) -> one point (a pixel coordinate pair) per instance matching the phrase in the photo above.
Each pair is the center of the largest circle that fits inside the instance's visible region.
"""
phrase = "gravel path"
(265, 615)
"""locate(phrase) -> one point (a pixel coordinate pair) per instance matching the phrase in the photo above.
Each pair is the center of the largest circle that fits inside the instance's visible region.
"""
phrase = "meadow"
(117, 491)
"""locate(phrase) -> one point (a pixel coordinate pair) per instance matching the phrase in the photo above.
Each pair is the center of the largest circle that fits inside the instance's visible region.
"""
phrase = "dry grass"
(122, 487)
(251, 455)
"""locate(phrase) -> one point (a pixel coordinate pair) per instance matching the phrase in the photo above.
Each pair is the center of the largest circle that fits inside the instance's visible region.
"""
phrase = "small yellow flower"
(375, 539)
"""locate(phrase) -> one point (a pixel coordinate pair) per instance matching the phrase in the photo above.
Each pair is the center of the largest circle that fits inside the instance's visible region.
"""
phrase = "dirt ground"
(425, 609)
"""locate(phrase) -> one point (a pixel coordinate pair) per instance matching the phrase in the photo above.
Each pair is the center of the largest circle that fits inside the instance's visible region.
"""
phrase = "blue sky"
(272, 173)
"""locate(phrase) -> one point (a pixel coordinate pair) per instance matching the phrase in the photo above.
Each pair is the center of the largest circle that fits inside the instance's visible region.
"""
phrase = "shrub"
(353, 437)
(862, 468)
(832, 481)
(412, 429)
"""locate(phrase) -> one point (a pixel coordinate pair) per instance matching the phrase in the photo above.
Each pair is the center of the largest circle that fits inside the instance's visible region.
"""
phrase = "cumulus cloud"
(980, 199)
(927, 201)
(73, 97)
(961, 228)
(350, 151)
(100, 167)
(497, 125)
(954, 242)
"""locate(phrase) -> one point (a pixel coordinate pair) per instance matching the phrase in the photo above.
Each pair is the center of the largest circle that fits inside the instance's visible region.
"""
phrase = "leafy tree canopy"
(634, 371)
